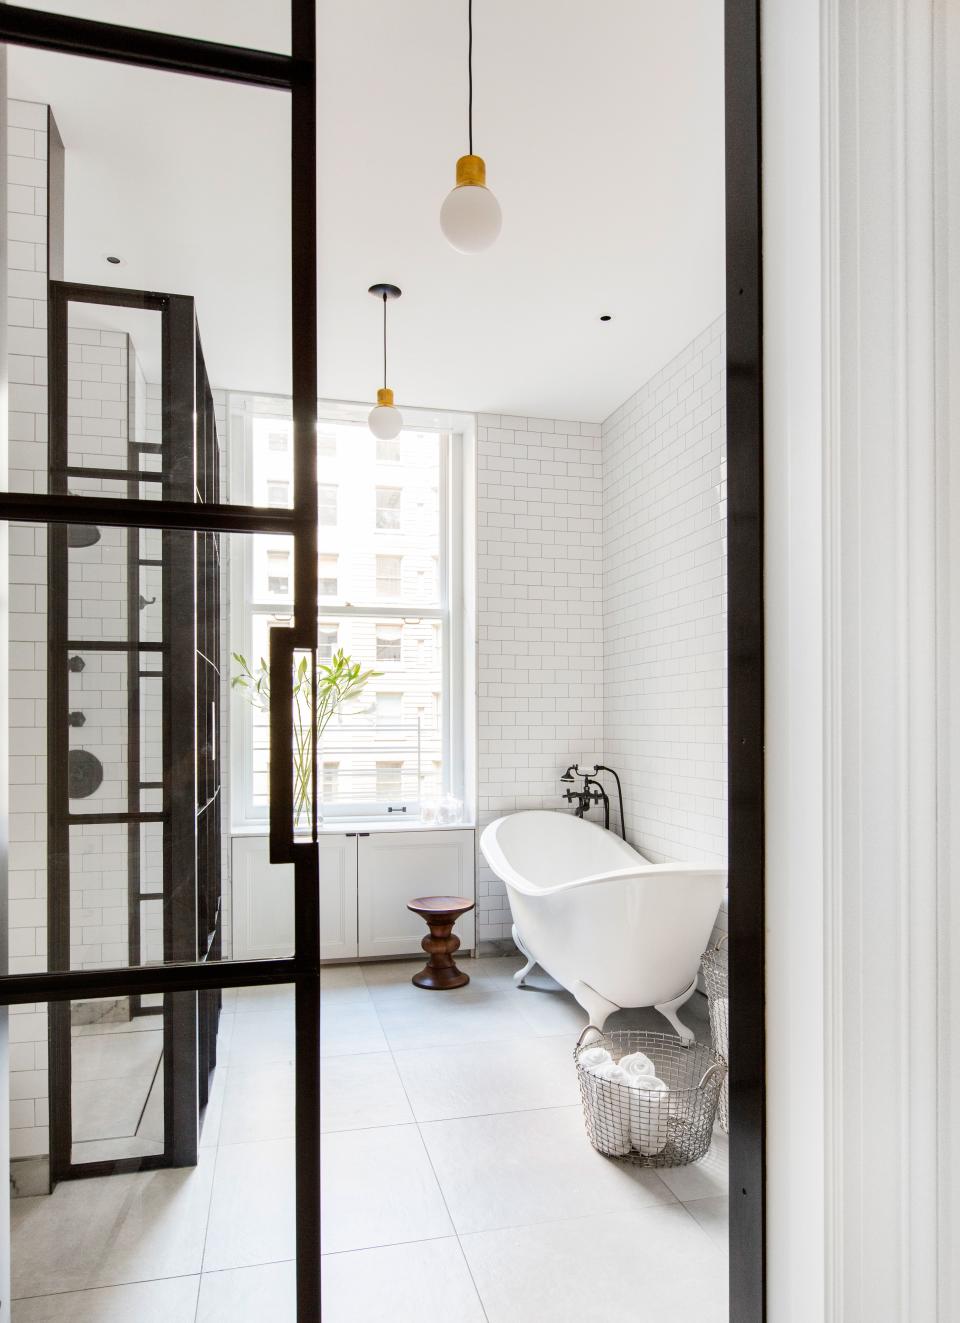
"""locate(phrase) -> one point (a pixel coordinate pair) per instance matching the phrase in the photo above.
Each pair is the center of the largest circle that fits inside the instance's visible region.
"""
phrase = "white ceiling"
(602, 127)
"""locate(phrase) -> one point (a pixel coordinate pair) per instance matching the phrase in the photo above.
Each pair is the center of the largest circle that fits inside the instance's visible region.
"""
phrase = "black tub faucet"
(592, 793)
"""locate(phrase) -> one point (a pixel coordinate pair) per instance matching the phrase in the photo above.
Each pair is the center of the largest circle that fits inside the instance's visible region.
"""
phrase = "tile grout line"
(453, 1225)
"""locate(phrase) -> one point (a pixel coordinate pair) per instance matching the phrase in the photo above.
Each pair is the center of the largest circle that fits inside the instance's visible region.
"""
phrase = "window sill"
(374, 825)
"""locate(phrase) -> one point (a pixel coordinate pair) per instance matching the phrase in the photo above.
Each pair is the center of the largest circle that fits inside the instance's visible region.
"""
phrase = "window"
(388, 452)
(389, 708)
(327, 505)
(389, 642)
(388, 507)
(375, 602)
(330, 782)
(389, 780)
(327, 576)
(388, 576)
(278, 573)
(278, 441)
(326, 642)
(278, 494)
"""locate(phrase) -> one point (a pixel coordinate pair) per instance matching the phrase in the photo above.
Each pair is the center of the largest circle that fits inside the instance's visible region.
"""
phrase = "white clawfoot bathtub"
(609, 926)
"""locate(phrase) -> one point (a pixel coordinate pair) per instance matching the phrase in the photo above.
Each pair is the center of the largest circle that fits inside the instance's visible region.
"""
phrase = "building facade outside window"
(388, 500)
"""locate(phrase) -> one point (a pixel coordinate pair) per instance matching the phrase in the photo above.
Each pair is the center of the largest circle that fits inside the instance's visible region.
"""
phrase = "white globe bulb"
(385, 422)
(470, 218)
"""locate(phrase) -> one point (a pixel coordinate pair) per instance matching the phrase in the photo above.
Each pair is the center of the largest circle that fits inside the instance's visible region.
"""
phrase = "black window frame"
(296, 74)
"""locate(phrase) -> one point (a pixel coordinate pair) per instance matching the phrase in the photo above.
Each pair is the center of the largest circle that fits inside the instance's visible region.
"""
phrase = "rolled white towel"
(636, 1063)
(594, 1058)
(612, 1109)
(648, 1114)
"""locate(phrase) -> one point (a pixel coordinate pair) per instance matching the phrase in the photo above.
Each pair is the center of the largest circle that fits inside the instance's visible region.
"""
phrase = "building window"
(388, 452)
(327, 505)
(327, 445)
(327, 576)
(389, 780)
(278, 441)
(390, 642)
(389, 708)
(278, 573)
(388, 576)
(388, 507)
(278, 494)
(331, 782)
(326, 642)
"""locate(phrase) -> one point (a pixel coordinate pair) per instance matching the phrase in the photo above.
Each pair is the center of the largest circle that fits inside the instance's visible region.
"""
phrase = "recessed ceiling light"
(605, 317)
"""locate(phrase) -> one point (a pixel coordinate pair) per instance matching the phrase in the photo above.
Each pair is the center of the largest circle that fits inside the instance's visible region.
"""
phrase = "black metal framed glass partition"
(161, 648)
(183, 986)
(141, 496)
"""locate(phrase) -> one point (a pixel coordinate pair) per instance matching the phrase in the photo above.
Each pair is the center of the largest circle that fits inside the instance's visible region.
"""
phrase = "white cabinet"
(263, 900)
(366, 880)
(396, 866)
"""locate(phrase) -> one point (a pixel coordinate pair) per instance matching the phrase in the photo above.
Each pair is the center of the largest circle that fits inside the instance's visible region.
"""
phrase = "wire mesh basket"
(715, 966)
(654, 1120)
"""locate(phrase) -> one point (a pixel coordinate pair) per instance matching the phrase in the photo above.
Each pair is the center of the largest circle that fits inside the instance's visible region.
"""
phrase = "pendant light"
(385, 421)
(470, 215)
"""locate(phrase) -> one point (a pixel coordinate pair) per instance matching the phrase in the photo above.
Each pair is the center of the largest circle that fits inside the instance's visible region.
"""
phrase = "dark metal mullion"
(134, 751)
(179, 636)
(121, 512)
(306, 874)
(745, 652)
(151, 50)
(58, 748)
(84, 984)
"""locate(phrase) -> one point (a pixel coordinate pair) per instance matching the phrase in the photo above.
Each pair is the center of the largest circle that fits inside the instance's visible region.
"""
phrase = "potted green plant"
(338, 684)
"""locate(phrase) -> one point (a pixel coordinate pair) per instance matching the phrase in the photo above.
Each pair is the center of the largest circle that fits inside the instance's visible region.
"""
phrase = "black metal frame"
(745, 655)
(297, 73)
(191, 510)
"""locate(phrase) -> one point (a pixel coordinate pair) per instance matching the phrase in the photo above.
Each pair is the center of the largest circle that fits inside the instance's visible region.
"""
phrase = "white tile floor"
(455, 1169)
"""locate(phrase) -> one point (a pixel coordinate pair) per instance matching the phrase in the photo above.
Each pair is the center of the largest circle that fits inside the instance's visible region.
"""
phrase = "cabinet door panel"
(338, 897)
(393, 867)
(263, 900)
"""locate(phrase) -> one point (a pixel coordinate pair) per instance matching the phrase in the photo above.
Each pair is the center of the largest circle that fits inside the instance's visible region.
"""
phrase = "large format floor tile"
(654, 1264)
(111, 1229)
(360, 1091)
(470, 1079)
(252, 1208)
(412, 1017)
(353, 1027)
(173, 1300)
(258, 1103)
(265, 1294)
(378, 1188)
(520, 1167)
(397, 1283)
(714, 1216)
(706, 1179)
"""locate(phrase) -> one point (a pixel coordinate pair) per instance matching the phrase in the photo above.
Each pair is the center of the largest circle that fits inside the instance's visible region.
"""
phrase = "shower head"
(568, 774)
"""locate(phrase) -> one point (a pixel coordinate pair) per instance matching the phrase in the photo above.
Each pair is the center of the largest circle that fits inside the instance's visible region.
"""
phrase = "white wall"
(664, 605)
(539, 621)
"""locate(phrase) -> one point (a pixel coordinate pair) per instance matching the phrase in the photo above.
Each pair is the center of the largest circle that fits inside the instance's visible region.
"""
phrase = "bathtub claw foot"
(596, 1007)
(521, 974)
(668, 1009)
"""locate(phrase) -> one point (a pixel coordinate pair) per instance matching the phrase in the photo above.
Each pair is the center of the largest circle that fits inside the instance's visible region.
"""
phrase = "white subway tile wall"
(664, 605)
(27, 330)
(539, 628)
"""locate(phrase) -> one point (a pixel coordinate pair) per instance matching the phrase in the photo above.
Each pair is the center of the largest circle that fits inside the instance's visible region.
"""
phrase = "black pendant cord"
(384, 341)
(470, 73)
